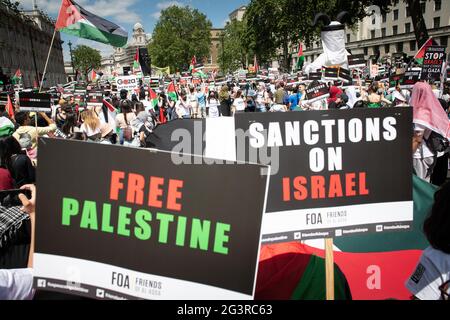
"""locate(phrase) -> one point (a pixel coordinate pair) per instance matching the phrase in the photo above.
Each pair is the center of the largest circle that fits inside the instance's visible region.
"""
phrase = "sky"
(127, 12)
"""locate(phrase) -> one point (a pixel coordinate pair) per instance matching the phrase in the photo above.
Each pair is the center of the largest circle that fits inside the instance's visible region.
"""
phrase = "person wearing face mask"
(183, 108)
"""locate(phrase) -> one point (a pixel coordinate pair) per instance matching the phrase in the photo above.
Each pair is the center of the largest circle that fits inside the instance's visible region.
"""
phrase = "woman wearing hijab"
(429, 116)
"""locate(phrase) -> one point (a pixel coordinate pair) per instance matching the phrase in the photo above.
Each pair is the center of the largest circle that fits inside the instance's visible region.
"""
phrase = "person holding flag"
(17, 78)
(301, 57)
(136, 63)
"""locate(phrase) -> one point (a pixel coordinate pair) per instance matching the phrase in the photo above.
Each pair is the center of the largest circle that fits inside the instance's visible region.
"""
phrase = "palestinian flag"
(287, 272)
(171, 92)
(255, 64)
(6, 127)
(76, 21)
(301, 57)
(153, 98)
(421, 53)
(17, 77)
(10, 108)
(136, 64)
(200, 74)
(193, 63)
(93, 75)
(112, 112)
(376, 265)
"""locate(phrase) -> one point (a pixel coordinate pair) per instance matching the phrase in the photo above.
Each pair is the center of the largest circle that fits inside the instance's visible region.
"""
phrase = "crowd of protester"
(129, 118)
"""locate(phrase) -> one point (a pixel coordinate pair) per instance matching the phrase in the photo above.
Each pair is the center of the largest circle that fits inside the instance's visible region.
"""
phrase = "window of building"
(348, 37)
(384, 17)
(437, 5)
(372, 34)
(408, 12)
(376, 50)
(383, 32)
(395, 14)
(423, 5)
(400, 47)
(407, 27)
(387, 48)
(436, 22)
(395, 30)
(444, 41)
(412, 45)
(366, 51)
(374, 19)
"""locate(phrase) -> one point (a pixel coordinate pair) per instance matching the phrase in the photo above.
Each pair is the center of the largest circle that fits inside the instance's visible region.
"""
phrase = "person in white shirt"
(193, 102)
(239, 103)
(17, 284)
(182, 107)
(213, 105)
(431, 278)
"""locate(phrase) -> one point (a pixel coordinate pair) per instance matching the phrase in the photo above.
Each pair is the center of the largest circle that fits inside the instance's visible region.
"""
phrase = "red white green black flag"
(77, 21)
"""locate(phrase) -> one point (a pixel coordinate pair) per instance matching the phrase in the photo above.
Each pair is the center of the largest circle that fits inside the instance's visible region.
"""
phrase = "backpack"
(127, 131)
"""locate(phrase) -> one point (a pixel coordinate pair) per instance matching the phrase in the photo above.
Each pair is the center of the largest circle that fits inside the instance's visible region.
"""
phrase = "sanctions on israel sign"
(139, 226)
(327, 178)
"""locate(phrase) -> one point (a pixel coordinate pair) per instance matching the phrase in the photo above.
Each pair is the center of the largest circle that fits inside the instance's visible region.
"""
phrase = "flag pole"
(48, 58)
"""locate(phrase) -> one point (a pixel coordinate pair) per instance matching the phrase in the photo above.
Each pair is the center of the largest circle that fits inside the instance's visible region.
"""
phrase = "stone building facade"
(124, 57)
(25, 39)
(393, 32)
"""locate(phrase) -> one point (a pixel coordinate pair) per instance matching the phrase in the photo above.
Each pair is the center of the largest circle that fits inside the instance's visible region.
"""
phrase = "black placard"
(331, 73)
(317, 91)
(356, 61)
(326, 178)
(35, 102)
(410, 78)
(315, 76)
(94, 98)
(142, 225)
(3, 98)
(433, 63)
(345, 75)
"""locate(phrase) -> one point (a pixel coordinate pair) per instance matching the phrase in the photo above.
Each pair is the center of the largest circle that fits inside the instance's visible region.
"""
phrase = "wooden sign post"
(329, 269)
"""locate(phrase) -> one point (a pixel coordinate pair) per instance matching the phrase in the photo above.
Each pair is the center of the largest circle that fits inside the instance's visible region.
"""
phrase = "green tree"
(86, 59)
(180, 34)
(275, 25)
(235, 52)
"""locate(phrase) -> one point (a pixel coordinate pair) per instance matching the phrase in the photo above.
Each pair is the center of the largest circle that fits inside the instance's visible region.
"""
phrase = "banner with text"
(334, 173)
(142, 226)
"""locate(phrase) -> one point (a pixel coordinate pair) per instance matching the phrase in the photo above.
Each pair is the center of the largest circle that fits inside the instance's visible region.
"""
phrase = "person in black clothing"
(17, 162)
(440, 171)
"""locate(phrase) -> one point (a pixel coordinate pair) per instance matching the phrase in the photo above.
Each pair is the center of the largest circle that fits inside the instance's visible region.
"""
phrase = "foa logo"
(120, 280)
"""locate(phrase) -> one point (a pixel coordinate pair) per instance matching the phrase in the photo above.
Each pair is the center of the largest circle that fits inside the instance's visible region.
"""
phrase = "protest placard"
(410, 78)
(35, 102)
(356, 61)
(433, 63)
(143, 226)
(317, 91)
(129, 83)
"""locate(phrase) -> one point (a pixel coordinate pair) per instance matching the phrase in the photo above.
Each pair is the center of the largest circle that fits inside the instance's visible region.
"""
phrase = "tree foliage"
(86, 59)
(274, 25)
(235, 52)
(180, 34)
